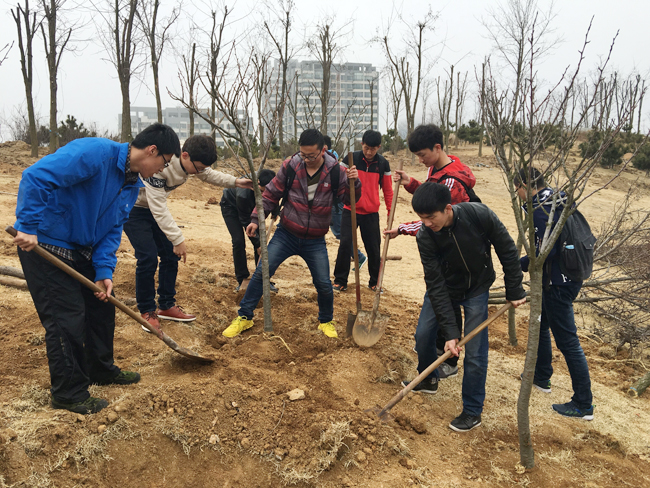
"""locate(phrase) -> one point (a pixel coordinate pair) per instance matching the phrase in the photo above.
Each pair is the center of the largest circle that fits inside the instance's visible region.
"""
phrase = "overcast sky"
(89, 88)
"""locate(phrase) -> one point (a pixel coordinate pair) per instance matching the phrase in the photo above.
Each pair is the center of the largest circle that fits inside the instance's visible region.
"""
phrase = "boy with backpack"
(154, 234)
(558, 294)
(307, 183)
(426, 142)
(374, 173)
(455, 248)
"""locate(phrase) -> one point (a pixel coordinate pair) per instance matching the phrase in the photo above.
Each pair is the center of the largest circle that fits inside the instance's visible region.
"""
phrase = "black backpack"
(291, 175)
(577, 248)
(473, 197)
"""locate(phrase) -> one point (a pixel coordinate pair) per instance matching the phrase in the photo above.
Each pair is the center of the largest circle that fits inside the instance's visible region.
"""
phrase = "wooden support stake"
(15, 282)
(639, 387)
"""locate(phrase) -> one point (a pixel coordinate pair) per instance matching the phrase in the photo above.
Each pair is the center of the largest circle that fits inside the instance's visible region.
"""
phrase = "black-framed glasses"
(197, 169)
(166, 162)
(310, 158)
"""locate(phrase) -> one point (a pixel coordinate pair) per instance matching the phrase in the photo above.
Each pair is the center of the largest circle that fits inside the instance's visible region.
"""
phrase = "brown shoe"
(176, 313)
(152, 318)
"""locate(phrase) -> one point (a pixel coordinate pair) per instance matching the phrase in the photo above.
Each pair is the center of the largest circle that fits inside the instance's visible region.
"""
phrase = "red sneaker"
(152, 318)
(176, 313)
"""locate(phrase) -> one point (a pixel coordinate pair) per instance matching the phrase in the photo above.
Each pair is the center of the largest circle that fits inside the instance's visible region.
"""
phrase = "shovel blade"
(379, 412)
(244, 285)
(367, 329)
(188, 353)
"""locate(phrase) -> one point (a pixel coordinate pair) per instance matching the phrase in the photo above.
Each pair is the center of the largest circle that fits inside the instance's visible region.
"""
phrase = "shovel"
(352, 318)
(384, 414)
(369, 327)
(89, 284)
(246, 281)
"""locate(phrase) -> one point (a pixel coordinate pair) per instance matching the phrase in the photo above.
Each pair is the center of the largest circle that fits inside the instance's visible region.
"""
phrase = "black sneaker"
(447, 371)
(425, 386)
(571, 410)
(90, 405)
(465, 422)
(543, 386)
(272, 286)
(124, 378)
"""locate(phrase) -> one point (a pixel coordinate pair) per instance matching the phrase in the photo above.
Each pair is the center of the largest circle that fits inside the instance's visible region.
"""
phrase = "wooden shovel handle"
(353, 219)
(87, 283)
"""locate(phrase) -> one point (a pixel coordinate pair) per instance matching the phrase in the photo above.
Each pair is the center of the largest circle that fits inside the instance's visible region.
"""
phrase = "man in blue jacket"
(73, 203)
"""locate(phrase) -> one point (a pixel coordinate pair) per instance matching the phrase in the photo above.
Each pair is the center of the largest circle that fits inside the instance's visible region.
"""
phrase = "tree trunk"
(191, 89)
(512, 328)
(526, 452)
(126, 135)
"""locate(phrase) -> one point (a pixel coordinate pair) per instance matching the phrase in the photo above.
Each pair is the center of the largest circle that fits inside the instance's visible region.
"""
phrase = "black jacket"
(457, 261)
(243, 200)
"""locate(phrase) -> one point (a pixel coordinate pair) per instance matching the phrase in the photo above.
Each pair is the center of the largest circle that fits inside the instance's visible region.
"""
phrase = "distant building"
(350, 98)
(177, 118)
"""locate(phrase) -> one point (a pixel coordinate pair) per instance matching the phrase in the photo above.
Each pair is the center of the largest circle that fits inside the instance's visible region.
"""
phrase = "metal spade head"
(368, 328)
(384, 416)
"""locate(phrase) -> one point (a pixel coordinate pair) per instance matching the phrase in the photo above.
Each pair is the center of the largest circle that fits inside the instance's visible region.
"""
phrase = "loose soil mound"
(233, 423)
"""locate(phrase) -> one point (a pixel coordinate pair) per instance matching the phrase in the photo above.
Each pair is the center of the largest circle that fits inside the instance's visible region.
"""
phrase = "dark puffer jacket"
(457, 261)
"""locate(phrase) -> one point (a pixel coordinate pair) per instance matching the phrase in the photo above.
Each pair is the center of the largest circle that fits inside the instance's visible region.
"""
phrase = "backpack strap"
(288, 183)
(335, 177)
(473, 197)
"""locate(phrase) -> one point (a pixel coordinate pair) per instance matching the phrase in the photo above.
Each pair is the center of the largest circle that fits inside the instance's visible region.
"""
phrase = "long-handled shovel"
(383, 412)
(89, 284)
(352, 318)
(369, 327)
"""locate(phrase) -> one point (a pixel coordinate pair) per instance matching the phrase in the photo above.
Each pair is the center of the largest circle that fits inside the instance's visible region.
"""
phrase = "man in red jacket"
(426, 143)
(304, 221)
(374, 173)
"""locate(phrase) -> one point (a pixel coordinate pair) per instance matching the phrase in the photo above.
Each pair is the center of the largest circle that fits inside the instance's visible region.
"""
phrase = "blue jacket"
(542, 203)
(76, 198)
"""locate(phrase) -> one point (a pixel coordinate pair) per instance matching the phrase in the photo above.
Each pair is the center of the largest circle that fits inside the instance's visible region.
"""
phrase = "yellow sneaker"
(237, 326)
(328, 329)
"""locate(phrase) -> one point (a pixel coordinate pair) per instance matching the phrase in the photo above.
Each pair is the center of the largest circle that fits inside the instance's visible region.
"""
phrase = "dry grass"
(174, 430)
(204, 275)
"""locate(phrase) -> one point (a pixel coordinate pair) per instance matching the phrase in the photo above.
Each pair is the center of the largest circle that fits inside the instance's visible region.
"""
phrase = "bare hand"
(106, 285)
(402, 177)
(181, 251)
(244, 183)
(251, 230)
(451, 346)
(352, 172)
(517, 303)
(391, 233)
(26, 242)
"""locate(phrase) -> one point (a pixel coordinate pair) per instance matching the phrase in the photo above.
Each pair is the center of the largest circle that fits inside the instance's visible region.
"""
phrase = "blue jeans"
(476, 351)
(283, 245)
(557, 315)
(149, 242)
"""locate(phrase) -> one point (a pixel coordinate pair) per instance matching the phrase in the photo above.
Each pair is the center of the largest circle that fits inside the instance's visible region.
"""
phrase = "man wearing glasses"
(304, 221)
(73, 203)
(154, 234)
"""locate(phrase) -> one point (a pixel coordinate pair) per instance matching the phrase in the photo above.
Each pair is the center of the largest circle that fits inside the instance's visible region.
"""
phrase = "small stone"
(112, 417)
(370, 438)
(235, 405)
(296, 394)
(11, 434)
(214, 438)
(101, 429)
(367, 450)
(292, 363)
(361, 457)
(294, 453)
(279, 454)
(80, 418)
(320, 355)
(245, 443)
(356, 402)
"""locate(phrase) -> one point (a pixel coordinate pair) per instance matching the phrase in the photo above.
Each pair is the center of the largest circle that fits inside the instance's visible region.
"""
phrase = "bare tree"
(445, 98)
(482, 117)
(147, 15)
(408, 76)
(260, 62)
(232, 90)
(461, 94)
(372, 86)
(188, 74)
(518, 117)
(325, 47)
(25, 41)
(119, 39)
(285, 54)
(55, 40)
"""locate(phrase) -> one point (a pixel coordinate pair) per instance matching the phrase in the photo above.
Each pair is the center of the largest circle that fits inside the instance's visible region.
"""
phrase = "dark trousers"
(150, 242)
(238, 237)
(369, 226)
(79, 328)
(557, 315)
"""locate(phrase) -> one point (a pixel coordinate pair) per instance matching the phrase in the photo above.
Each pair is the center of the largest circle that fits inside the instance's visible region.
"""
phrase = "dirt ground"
(232, 424)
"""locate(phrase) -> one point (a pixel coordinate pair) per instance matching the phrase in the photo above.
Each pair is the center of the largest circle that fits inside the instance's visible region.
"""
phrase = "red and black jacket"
(372, 174)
